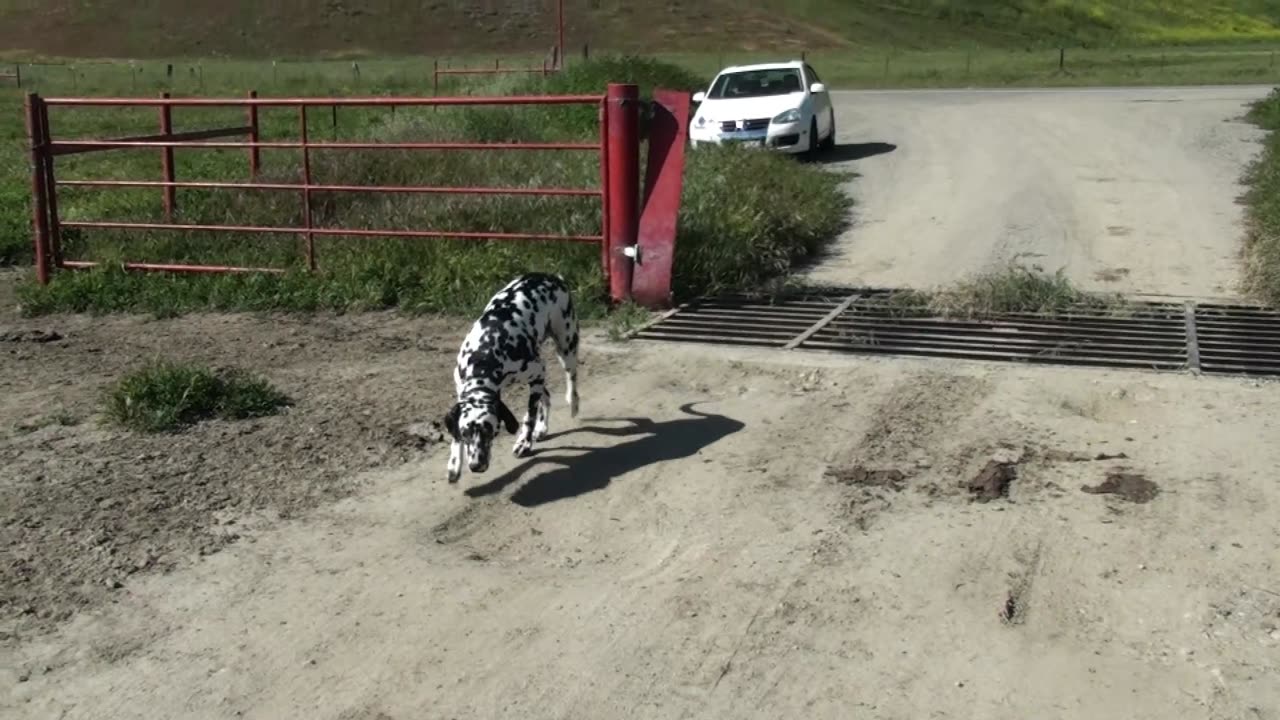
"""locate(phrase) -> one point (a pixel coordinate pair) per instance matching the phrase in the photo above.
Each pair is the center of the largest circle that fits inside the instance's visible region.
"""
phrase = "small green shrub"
(1010, 289)
(748, 216)
(166, 396)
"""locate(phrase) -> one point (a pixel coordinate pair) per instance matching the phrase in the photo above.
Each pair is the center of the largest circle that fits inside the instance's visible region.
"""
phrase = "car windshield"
(756, 83)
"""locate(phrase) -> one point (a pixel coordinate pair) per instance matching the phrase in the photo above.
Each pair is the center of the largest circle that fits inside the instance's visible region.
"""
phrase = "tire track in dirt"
(912, 429)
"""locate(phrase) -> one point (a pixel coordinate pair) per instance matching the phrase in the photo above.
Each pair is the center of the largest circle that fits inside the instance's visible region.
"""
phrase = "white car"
(782, 106)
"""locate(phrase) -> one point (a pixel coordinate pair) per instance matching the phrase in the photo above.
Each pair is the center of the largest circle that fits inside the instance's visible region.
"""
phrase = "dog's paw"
(541, 431)
(522, 448)
(573, 406)
(454, 476)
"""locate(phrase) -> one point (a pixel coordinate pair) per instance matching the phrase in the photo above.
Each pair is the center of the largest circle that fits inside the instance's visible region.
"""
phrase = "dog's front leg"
(534, 426)
(457, 455)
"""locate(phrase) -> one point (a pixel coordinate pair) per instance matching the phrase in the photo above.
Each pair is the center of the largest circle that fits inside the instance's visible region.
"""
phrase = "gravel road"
(1127, 189)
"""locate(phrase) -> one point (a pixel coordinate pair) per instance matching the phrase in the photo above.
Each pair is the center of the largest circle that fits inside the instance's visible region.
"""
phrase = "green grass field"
(886, 44)
(843, 68)
(736, 239)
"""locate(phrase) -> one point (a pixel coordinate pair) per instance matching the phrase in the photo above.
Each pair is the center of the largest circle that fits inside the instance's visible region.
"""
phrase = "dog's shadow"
(596, 467)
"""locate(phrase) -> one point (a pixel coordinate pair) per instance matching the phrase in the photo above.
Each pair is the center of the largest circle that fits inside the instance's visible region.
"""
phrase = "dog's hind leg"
(566, 339)
(534, 425)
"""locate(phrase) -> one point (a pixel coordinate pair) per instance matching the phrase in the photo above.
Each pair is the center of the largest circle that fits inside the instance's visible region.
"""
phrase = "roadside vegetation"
(746, 217)
(1009, 289)
(1262, 240)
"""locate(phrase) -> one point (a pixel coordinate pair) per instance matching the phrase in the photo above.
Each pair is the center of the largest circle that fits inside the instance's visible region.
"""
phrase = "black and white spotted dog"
(502, 349)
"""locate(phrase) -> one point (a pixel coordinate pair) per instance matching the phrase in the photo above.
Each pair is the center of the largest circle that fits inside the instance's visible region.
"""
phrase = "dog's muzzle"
(478, 460)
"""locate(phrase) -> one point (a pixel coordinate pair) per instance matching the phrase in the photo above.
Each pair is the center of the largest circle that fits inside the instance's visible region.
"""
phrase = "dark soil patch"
(83, 507)
(29, 336)
(1068, 456)
(1133, 487)
(1011, 610)
(863, 477)
(993, 481)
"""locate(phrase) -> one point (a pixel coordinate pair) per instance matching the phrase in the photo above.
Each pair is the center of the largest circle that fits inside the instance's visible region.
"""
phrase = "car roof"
(790, 64)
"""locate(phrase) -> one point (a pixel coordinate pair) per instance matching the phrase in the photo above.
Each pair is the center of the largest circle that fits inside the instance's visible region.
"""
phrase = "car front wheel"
(830, 142)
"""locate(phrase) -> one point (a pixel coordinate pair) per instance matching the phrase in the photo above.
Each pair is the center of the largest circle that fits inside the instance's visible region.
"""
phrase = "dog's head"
(474, 421)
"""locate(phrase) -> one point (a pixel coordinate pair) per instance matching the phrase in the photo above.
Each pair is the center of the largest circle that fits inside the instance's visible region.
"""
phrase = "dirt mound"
(862, 477)
(1133, 487)
(993, 481)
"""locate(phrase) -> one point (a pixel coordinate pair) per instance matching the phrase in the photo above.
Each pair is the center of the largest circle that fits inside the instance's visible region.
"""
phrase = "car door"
(821, 103)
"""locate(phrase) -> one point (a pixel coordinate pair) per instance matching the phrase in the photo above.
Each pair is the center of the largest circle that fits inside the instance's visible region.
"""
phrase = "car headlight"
(790, 116)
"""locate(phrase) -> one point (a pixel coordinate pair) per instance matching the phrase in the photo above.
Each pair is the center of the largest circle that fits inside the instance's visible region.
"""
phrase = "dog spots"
(503, 348)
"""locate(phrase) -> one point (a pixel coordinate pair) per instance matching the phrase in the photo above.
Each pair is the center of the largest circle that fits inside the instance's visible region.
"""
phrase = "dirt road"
(724, 534)
(1130, 190)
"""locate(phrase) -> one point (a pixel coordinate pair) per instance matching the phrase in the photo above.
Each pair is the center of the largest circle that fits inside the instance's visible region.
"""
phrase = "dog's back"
(505, 339)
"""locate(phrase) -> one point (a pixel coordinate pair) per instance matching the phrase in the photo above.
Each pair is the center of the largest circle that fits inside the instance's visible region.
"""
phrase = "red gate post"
(166, 159)
(656, 242)
(622, 114)
(559, 34)
(39, 201)
(51, 194)
(306, 188)
(255, 156)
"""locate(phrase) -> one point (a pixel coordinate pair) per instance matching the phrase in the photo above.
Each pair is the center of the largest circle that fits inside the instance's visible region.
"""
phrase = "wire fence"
(196, 77)
(849, 68)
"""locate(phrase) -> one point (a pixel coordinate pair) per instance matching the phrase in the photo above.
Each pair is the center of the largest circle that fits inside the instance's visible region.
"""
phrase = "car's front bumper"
(789, 138)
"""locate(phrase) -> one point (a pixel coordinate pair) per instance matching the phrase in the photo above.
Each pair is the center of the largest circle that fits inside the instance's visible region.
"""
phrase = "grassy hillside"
(281, 28)
(1029, 23)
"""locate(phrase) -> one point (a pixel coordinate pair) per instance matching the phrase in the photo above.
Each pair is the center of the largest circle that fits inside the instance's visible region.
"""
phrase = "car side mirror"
(699, 97)
(817, 88)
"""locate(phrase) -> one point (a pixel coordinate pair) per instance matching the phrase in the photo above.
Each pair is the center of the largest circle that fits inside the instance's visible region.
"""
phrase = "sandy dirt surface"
(722, 534)
(1128, 190)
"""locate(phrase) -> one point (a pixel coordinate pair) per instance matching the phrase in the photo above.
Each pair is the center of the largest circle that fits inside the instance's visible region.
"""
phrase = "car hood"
(749, 108)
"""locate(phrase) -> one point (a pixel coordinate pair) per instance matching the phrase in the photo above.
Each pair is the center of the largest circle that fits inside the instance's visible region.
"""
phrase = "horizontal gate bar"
(326, 102)
(469, 235)
(574, 192)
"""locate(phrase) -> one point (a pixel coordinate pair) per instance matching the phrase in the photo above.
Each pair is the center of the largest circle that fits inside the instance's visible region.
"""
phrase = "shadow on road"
(596, 467)
(849, 152)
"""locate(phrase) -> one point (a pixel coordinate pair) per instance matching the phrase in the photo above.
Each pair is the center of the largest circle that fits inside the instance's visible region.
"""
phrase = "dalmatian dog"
(501, 349)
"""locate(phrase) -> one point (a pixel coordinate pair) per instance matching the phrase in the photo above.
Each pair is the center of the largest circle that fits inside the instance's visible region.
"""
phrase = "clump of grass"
(1010, 289)
(1262, 239)
(625, 319)
(167, 396)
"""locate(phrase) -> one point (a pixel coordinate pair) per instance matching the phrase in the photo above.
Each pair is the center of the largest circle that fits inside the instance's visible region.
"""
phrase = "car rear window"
(756, 83)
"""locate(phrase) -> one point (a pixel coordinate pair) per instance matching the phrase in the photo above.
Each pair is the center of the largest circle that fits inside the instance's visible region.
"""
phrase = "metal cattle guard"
(617, 146)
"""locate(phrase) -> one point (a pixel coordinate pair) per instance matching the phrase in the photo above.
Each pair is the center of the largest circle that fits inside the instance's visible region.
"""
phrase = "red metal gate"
(617, 147)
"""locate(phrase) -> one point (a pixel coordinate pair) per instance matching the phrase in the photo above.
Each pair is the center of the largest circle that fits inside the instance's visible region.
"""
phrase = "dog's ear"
(451, 421)
(507, 418)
